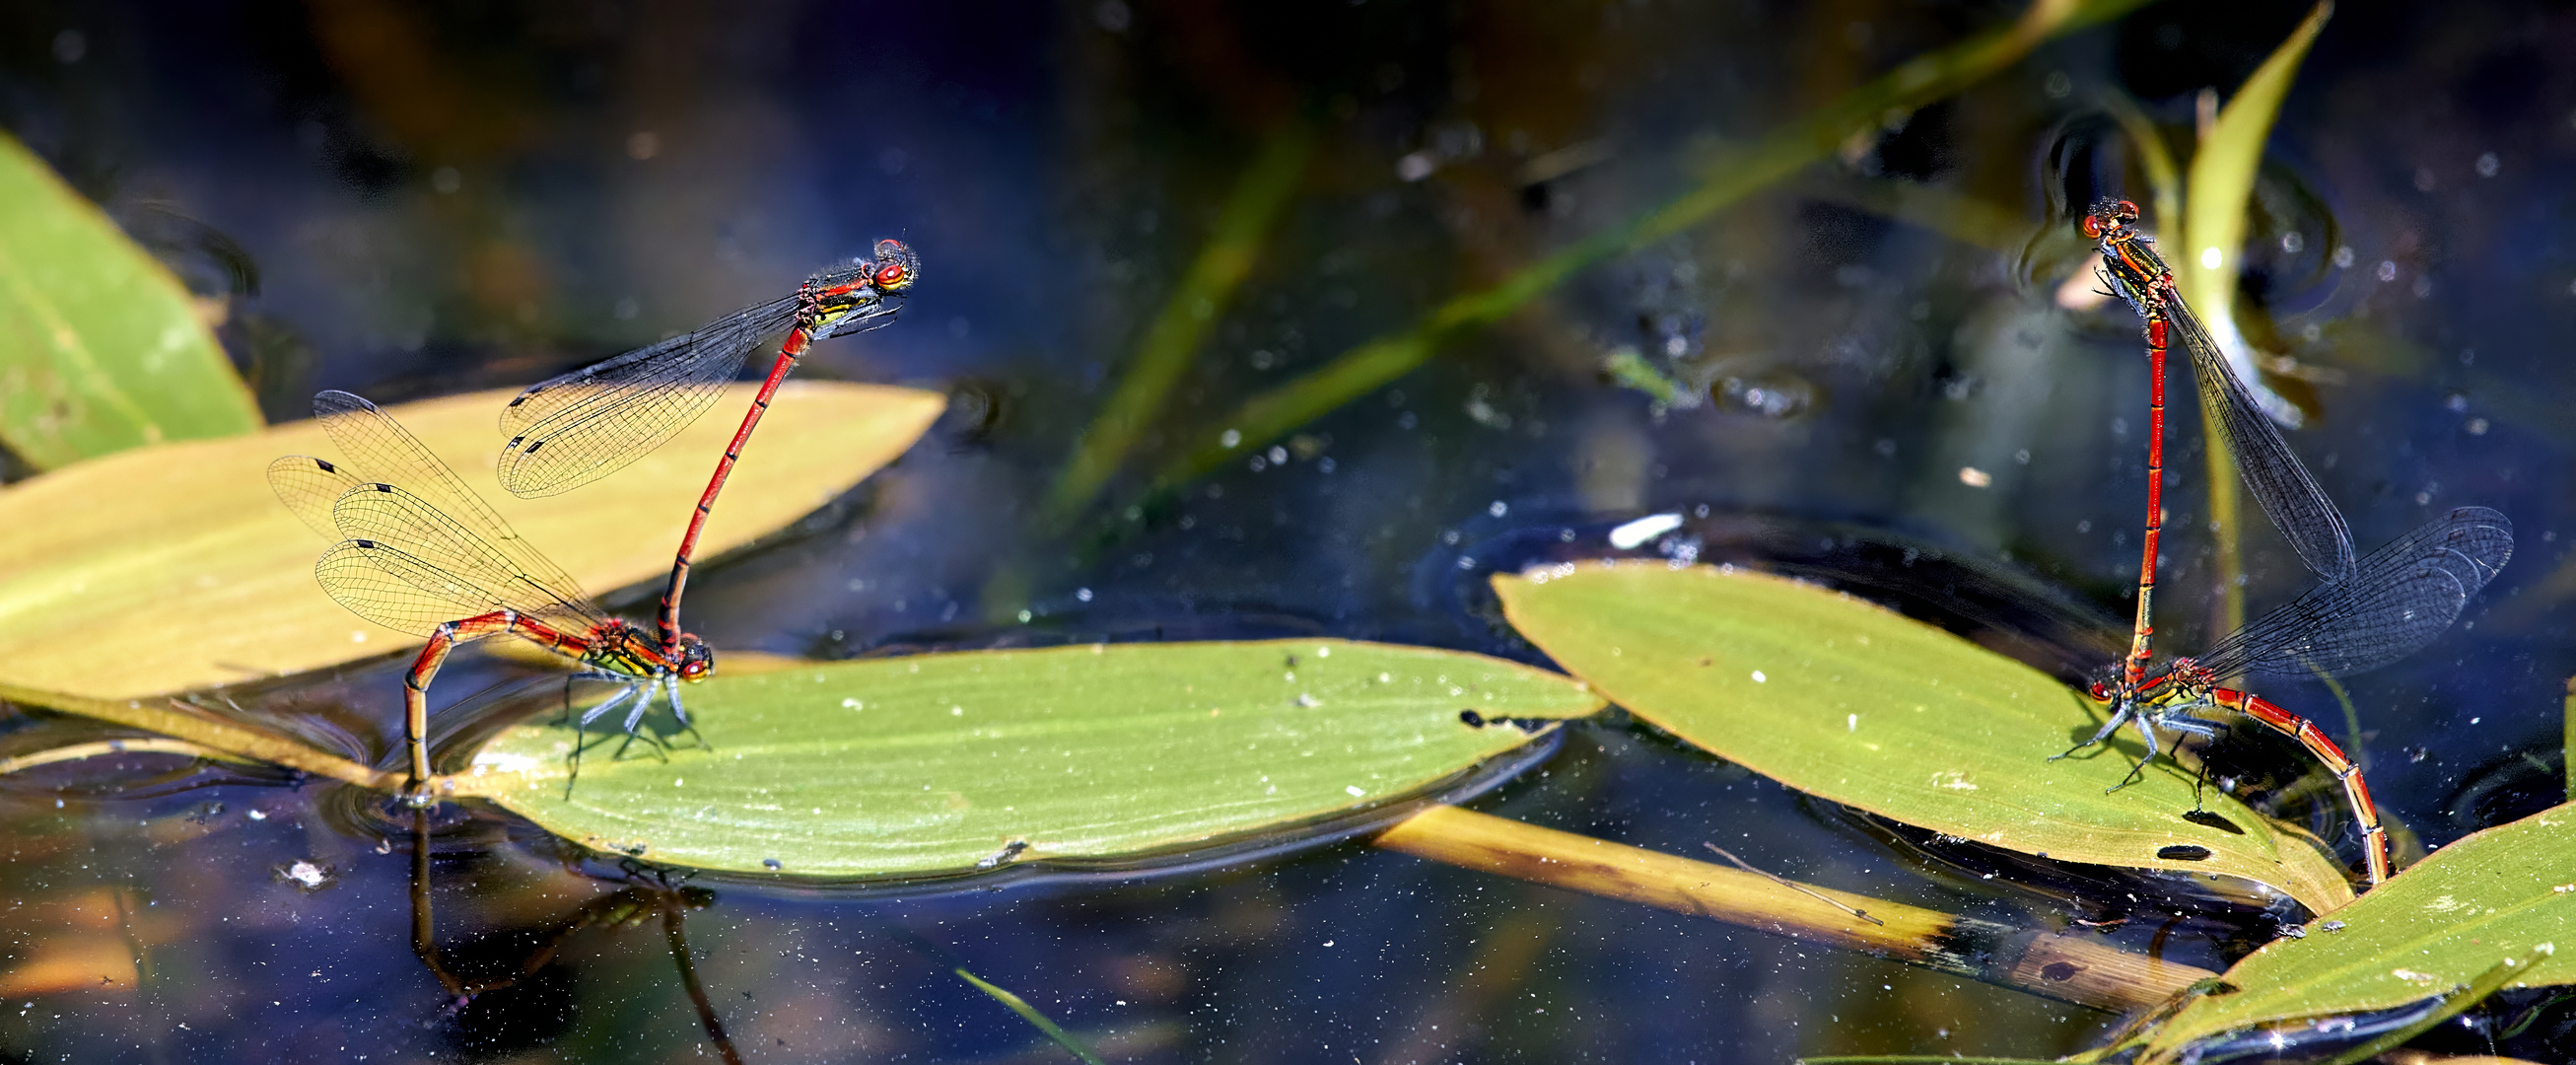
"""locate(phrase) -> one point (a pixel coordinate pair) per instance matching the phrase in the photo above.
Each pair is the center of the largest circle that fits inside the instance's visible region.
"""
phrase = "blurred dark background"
(416, 199)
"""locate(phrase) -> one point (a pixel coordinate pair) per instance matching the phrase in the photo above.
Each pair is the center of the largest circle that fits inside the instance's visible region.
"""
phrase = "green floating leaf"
(173, 568)
(100, 348)
(941, 764)
(2493, 898)
(1854, 703)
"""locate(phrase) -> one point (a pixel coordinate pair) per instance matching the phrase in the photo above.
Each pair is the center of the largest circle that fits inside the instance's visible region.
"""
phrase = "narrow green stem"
(1030, 1014)
(1204, 290)
(1724, 183)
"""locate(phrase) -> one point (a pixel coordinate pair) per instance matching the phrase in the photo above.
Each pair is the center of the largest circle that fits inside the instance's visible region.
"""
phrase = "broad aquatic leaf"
(100, 348)
(1851, 702)
(2499, 895)
(897, 767)
(173, 568)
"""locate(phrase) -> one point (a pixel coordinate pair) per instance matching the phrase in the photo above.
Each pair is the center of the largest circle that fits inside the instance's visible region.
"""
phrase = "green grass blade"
(2221, 179)
(1372, 364)
(102, 348)
(1193, 309)
(2212, 239)
(1030, 1014)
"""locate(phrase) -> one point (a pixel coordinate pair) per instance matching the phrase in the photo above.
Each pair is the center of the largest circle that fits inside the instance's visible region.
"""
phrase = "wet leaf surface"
(173, 568)
(1848, 701)
(2499, 895)
(101, 349)
(932, 764)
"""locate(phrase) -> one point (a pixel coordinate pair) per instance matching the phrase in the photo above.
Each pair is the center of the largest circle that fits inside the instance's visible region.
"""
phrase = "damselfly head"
(2106, 216)
(896, 266)
(696, 660)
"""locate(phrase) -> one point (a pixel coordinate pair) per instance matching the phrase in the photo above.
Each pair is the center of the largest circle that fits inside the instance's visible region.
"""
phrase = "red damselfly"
(2393, 602)
(2299, 508)
(589, 423)
(433, 559)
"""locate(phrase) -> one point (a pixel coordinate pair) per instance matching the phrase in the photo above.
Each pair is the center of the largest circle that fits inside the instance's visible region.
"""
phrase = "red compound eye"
(2091, 227)
(890, 275)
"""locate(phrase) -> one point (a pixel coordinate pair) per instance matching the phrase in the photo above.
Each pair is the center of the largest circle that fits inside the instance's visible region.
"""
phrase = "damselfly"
(2392, 603)
(587, 424)
(428, 557)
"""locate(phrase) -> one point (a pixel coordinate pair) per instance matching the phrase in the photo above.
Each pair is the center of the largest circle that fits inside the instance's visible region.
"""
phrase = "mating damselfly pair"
(420, 552)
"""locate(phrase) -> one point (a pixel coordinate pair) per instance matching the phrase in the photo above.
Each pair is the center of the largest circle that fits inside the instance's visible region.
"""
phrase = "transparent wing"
(445, 562)
(308, 486)
(380, 449)
(2397, 600)
(2297, 507)
(592, 422)
(385, 585)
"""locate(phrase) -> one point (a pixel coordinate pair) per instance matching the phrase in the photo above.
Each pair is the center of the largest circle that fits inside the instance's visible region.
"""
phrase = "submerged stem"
(2070, 968)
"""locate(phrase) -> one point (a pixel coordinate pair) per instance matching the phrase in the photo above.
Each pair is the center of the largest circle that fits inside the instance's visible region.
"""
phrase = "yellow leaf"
(173, 568)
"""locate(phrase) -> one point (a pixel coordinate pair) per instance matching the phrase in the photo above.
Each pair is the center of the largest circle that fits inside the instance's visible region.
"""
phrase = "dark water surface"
(411, 200)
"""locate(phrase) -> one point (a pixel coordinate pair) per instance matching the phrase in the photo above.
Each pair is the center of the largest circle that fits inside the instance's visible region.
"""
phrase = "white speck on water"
(1974, 477)
(1627, 537)
(305, 874)
(259, 815)
(1499, 508)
